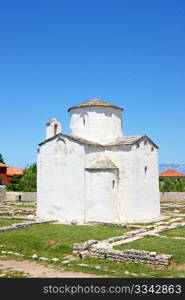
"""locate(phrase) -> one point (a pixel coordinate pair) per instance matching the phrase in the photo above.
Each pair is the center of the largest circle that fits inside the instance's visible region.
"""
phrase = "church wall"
(123, 158)
(61, 181)
(92, 123)
(101, 195)
(138, 193)
(145, 182)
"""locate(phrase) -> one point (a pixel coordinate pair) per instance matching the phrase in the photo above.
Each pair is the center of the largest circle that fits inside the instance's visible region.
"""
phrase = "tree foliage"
(1, 159)
(14, 184)
(28, 181)
(172, 185)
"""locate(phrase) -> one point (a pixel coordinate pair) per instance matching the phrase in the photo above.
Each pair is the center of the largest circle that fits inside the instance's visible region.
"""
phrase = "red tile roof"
(171, 173)
(11, 171)
(3, 165)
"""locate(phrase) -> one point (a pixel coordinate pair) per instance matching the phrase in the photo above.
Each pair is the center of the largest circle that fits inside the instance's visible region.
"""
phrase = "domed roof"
(95, 102)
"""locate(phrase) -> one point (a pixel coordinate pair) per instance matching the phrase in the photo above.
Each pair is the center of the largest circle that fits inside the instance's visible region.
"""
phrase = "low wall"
(25, 196)
(131, 255)
(172, 197)
(2, 193)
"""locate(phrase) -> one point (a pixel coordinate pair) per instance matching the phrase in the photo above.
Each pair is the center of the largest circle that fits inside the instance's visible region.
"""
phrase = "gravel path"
(36, 270)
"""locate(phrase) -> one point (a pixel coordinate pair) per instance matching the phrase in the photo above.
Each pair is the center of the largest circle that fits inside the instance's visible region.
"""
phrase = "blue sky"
(57, 53)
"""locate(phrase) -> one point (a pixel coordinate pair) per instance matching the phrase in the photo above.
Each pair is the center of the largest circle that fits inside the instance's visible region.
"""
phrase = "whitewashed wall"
(101, 196)
(66, 192)
(100, 124)
(138, 195)
(123, 158)
(61, 181)
(146, 186)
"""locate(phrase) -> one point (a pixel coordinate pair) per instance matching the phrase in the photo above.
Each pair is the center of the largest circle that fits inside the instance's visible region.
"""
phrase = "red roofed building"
(172, 181)
(171, 173)
(7, 172)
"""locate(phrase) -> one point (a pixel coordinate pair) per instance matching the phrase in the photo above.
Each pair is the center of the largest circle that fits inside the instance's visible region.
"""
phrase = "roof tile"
(171, 173)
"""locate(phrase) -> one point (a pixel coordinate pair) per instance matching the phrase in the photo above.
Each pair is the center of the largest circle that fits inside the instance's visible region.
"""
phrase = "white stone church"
(96, 173)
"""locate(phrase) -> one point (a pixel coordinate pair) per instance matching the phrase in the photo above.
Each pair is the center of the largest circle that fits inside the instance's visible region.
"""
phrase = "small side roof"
(95, 102)
(101, 163)
(171, 173)
(130, 140)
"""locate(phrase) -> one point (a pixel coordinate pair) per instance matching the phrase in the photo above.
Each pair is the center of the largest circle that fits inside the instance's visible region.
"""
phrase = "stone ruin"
(91, 248)
(2, 193)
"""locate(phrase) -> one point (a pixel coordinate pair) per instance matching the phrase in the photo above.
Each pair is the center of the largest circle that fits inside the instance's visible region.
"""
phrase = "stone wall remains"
(25, 196)
(2, 193)
(172, 197)
(90, 248)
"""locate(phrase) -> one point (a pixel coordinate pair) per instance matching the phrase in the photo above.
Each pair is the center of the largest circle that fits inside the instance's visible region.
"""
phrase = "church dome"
(95, 102)
(96, 120)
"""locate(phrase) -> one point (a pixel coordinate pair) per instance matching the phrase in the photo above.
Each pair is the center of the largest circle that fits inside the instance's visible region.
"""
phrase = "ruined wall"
(2, 193)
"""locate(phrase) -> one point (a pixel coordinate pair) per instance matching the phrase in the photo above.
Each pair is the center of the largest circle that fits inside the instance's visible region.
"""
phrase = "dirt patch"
(36, 270)
(177, 267)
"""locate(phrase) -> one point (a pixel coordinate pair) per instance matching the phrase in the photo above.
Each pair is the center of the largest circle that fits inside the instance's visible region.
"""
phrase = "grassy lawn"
(53, 240)
(178, 232)
(118, 269)
(11, 274)
(7, 222)
(168, 246)
(21, 206)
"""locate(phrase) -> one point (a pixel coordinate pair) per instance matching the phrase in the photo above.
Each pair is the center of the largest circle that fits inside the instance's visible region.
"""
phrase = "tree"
(28, 181)
(1, 159)
(14, 184)
(172, 185)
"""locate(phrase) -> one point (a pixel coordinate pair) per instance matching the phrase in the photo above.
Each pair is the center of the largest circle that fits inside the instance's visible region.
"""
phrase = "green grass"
(21, 206)
(178, 232)
(53, 240)
(117, 269)
(7, 222)
(11, 274)
(167, 246)
(182, 211)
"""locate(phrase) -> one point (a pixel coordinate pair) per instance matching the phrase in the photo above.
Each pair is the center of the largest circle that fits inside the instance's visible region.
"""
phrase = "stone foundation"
(90, 248)
(21, 225)
(2, 193)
